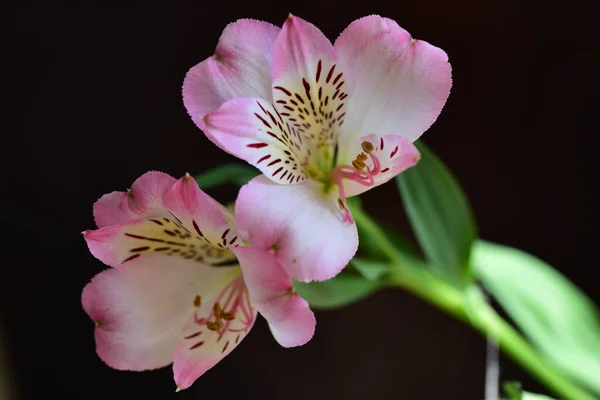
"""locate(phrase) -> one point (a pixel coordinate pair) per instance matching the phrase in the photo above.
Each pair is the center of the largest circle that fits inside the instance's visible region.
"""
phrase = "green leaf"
(235, 174)
(344, 289)
(371, 270)
(559, 319)
(440, 216)
(514, 392)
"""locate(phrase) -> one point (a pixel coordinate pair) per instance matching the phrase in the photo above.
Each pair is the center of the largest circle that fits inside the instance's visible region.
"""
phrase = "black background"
(93, 97)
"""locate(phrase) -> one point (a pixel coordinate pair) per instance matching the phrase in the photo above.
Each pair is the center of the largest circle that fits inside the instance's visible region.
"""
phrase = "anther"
(197, 301)
(218, 310)
(213, 326)
(362, 157)
(359, 165)
(228, 316)
(367, 147)
(341, 204)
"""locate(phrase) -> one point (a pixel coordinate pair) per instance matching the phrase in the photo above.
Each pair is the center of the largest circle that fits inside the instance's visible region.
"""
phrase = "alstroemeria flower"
(177, 293)
(322, 122)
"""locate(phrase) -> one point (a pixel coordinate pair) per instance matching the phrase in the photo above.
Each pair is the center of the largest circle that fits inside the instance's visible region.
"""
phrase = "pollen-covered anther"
(218, 311)
(341, 204)
(228, 316)
(367, 147)
(362, 157)
(197, 301)
(214, 326)
(359, 165)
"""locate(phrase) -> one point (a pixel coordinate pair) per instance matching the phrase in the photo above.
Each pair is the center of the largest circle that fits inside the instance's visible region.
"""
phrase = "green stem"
(470, 307)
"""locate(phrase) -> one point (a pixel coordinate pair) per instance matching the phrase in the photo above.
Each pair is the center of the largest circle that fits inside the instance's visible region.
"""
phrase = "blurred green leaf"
(440, 216)
(344, 289)
(371, 270)
(233, 173)
(514, 392)
(561, 321)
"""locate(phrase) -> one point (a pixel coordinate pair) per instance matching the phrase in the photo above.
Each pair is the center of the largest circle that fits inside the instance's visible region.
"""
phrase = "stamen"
(228, 316)
(359, 173)
(359, 165)
(214, 326)
(367, 147)
(218, 310)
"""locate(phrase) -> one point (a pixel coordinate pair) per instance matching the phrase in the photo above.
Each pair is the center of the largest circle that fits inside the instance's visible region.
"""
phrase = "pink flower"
(322, 122)
(184, 288)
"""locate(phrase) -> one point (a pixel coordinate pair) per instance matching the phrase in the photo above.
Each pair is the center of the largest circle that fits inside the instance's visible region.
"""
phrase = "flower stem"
(467, 305)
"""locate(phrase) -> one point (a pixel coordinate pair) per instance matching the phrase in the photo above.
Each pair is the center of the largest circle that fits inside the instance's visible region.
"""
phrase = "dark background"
(94, 101)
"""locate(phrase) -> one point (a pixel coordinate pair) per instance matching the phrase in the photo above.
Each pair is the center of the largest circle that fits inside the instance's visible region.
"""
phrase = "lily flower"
(321, 121)
(184, 289)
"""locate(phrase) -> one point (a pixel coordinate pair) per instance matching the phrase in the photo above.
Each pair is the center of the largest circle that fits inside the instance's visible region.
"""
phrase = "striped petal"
(190, 225)
(309, 89)
(254, 131)
(213, 332)
(141, 311)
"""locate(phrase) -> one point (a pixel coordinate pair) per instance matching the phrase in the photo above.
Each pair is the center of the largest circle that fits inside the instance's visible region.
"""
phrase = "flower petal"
(289, 316)
(201, 215)
(303, 225)
(241, 67)
(190, 225)
(309, 89)
(140, 311)
(203, 346)
(394, 154)
(254, 131)
(299, 47)
(397, 84)
(143, 199)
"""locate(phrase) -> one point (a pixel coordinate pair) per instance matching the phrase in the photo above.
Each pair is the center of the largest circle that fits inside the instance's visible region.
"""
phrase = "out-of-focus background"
(94, 99)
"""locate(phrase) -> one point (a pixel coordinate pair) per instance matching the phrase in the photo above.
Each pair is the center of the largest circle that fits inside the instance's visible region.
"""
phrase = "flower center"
(312, 108)
(231, 316)
(359, 172)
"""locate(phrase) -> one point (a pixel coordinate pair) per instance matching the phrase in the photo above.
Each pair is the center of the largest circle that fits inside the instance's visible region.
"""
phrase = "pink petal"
(394, 153)
(289, 316)
(202, 348)
(309, 89)
(303, 225)
(298, 49)
(144, 199)
(201, 215)
(241, 67)
(140, 311)
(191, 225)
(252, 130)
(397, 84)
